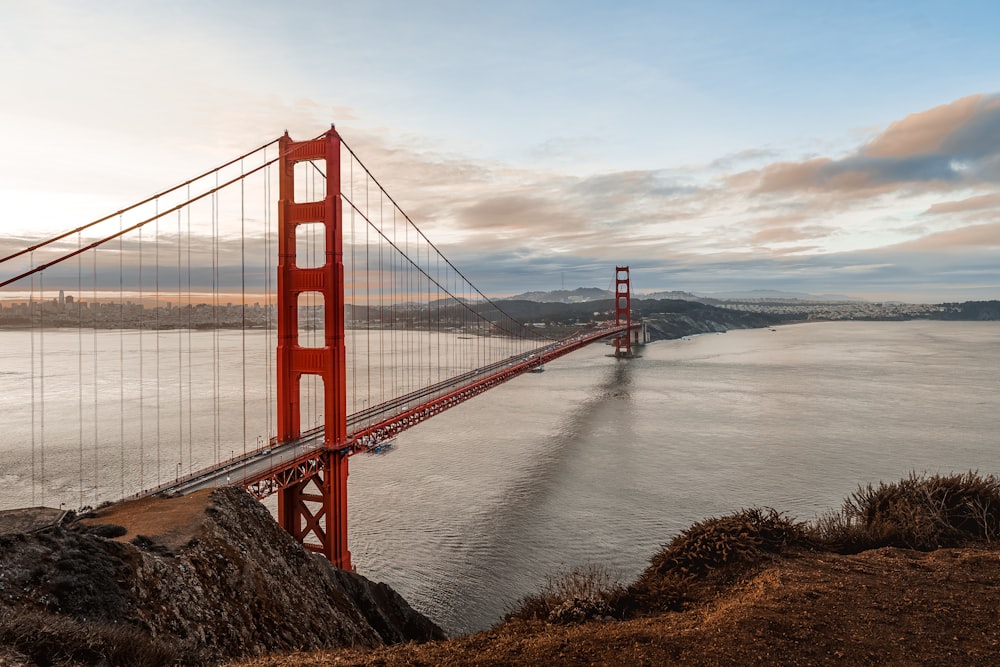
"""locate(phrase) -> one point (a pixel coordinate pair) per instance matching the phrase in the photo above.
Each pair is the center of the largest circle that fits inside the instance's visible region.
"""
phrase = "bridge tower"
(623, 311)
(313, 511)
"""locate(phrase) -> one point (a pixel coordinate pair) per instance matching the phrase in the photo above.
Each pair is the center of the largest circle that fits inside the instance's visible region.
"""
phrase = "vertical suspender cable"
(381, 303)
(190, 314)
(368, 300)
(142, 380)
(215, 324)
(180, 335)
(407, 324)
(396, 370)
(41, 386)
(317, 253)
(156, 306)
(437, 257)
(31, 335)
(156, 337)
(121, 355)
(95, 310)
(267, 301)
(243, 304)
(430, 336)
(79, 355)
(354, 301)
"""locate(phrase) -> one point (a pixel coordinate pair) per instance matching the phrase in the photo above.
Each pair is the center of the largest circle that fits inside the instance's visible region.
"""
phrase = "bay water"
(593, 461)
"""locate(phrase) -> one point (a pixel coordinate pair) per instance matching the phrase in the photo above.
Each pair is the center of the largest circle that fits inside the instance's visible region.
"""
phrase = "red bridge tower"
(623, 311)
(313, 511)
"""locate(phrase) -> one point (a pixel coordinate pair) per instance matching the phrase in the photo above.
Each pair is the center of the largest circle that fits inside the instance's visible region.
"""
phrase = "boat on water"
(382, 448)
(540, 369)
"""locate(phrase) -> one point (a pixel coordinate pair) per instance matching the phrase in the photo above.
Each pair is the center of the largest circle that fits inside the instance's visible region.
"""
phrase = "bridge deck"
(277, 465)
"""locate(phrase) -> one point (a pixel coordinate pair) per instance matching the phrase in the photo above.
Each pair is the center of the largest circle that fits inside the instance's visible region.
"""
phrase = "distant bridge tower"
(623, 311)
(313, 511)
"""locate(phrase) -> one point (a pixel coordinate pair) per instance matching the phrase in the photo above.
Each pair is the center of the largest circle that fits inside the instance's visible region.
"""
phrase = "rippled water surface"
(601, 461)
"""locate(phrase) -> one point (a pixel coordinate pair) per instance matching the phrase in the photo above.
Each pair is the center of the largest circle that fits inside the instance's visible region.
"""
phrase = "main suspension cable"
(157, 196)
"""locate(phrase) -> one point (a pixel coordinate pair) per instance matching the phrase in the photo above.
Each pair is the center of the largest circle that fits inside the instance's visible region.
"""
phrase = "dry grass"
(583, 593)
(758, 588)
(919, 512)
(170, 522)
(50, 639)
(719, 542)
(718, 546)
(892, 607)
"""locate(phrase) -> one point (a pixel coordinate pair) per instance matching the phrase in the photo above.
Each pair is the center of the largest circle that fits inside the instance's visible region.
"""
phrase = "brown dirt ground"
(882, 607)
(171, 522)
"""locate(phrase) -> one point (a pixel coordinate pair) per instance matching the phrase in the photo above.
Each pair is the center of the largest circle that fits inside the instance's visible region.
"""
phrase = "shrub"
(721, 541)
(918, 512)
(146, 543)
(716, 544)
(656, 592)
(108, 530)
(583, 593)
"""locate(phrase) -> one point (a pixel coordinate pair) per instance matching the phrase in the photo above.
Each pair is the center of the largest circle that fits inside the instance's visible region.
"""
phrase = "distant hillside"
(665, 318)
(678, 295)
(578, 295)
(588, 294)
(778, 295)
(970, 310)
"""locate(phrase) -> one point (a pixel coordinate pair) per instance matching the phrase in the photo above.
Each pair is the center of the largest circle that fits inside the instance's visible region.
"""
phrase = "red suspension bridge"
(165, 336)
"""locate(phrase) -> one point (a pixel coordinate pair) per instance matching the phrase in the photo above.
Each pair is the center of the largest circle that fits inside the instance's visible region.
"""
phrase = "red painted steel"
(307, 463)
(295, 463)
(313, 508)
(623, 310)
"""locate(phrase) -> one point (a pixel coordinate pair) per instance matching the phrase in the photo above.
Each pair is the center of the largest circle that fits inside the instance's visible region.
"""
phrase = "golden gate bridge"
(366, 330)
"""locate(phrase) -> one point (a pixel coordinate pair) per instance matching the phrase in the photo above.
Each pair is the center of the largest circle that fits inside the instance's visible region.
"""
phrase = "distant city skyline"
(805, 147)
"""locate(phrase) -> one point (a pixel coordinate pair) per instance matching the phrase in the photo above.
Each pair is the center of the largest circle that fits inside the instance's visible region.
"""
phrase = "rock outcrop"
(669, 326)
(197, 578)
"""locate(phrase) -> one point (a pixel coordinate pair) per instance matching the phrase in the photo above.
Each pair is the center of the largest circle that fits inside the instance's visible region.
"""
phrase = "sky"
(848, 148)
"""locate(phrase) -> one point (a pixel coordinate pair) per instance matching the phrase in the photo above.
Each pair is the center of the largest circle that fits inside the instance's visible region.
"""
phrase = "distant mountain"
(586, 294)
(578, 295)
(778, 295)
(675, 294)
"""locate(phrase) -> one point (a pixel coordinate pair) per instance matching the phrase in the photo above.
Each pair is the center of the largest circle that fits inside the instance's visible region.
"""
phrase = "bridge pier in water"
(623, 313)
(313, 510)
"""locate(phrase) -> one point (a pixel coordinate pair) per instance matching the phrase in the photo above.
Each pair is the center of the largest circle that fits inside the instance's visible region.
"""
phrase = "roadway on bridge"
(370, 428)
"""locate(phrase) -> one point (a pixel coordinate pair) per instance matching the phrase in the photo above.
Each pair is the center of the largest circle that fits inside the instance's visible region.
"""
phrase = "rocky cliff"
(193, 579)
(668, 326)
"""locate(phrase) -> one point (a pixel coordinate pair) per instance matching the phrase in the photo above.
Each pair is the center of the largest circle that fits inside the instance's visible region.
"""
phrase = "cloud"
(790, 234)
(517, 213)
(904, 209)
(728, 162)
(952, 144)
(973, 236)
(977, 203)
(926, 132)
(803, 220)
